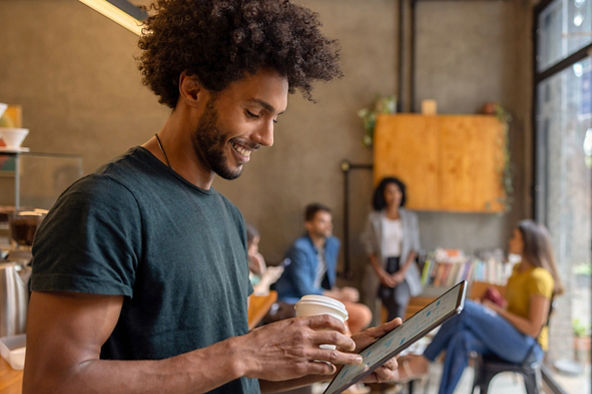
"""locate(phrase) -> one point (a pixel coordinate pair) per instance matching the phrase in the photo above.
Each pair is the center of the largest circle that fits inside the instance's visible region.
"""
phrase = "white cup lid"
(324, 301)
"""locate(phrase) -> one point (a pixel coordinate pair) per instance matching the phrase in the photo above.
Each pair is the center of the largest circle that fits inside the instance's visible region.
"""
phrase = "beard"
(209, 141)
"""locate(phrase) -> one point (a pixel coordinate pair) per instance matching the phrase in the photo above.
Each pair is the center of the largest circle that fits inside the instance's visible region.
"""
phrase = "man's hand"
(289, 349)
(386, 372)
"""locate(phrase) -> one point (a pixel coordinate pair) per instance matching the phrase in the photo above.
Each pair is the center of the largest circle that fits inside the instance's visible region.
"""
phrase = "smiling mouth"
(243, 152)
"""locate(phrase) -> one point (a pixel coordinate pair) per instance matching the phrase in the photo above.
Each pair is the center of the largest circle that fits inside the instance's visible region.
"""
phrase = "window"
(563, 165)
(564, 27)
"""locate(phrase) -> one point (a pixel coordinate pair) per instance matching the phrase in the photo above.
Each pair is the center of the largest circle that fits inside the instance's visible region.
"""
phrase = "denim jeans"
(481, 330)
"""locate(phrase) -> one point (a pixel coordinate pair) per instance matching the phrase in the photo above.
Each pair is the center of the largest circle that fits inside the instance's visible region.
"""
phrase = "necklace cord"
(162, 150)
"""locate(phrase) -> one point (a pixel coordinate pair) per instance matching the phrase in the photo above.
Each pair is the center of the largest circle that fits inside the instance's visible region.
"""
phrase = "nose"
(264, 135)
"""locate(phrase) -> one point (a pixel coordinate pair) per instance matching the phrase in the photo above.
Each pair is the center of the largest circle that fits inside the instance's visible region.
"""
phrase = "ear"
(190, 89)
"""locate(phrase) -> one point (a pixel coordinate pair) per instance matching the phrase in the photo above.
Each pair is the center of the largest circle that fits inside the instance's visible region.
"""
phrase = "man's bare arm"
(65, 333)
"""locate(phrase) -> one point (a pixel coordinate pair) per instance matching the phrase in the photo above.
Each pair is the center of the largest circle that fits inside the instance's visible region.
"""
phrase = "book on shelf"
(446, 267)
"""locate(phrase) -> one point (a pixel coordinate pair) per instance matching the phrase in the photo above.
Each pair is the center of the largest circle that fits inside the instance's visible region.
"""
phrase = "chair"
(489, 366)
(486, 367)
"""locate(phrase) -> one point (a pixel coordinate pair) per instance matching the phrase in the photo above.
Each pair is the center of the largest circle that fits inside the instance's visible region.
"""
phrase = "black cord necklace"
(162, 150)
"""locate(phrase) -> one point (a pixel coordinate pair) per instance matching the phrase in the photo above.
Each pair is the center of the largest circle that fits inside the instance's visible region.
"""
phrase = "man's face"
(238, 120)
(321, 225)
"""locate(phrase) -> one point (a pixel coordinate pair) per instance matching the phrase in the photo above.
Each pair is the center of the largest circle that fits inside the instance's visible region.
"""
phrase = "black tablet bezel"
(458, 308)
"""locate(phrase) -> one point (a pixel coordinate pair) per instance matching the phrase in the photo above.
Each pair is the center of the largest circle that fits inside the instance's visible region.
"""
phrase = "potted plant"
(381, 105)
(581, 341)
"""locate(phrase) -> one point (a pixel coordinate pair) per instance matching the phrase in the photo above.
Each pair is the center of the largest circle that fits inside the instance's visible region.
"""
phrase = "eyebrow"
(265, 105)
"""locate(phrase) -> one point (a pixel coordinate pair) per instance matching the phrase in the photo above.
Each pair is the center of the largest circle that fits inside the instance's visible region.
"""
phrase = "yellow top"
(522, 286)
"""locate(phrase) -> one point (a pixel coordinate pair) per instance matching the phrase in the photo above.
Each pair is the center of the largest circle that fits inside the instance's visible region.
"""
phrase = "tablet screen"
(447, 305)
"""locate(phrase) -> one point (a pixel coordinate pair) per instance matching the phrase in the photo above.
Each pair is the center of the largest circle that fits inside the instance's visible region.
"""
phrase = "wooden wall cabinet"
(448, 162)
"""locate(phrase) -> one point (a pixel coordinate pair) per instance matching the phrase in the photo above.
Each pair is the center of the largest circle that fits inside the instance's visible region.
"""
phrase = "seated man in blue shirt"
(313, 268)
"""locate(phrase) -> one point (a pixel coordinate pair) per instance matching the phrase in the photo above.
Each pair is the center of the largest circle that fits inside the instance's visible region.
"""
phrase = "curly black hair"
(219, 41)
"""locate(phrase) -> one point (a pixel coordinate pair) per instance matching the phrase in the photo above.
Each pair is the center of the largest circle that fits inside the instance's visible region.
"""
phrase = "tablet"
(392, 343)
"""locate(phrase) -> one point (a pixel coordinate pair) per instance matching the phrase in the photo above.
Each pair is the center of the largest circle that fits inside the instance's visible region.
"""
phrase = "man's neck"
(175, 137)
(318, 242)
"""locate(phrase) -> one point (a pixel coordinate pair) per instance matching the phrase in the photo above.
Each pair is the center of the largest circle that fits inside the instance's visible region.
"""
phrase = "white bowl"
(13, 137)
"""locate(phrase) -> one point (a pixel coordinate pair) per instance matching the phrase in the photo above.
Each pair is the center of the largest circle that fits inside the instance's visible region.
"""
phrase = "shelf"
(449, 163)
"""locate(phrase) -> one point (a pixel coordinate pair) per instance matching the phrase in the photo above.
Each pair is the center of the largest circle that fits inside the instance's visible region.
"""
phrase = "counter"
(11, 380)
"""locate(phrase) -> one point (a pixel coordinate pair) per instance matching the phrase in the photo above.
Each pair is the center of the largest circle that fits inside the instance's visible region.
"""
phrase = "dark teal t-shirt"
(176, 252)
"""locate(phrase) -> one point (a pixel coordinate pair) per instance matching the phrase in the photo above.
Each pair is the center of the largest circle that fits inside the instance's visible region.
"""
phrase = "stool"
(487, 367)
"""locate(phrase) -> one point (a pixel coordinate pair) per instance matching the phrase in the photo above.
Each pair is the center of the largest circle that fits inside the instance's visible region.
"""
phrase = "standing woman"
(516, 333)
(391, 241)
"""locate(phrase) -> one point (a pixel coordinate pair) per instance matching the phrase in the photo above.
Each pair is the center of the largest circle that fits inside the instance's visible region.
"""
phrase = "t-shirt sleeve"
(91, 240)
(541, 283)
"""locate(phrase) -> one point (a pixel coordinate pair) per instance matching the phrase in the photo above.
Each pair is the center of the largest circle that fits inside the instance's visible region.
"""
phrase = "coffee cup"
(312, 305)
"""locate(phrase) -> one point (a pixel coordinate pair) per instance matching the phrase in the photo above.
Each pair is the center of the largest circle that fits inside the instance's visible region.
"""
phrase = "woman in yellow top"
(512, 333)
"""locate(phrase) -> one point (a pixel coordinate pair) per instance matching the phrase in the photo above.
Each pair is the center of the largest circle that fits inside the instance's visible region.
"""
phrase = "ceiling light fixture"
(120, 11)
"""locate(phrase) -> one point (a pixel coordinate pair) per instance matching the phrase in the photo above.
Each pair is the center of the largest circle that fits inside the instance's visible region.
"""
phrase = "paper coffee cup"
(312, 305)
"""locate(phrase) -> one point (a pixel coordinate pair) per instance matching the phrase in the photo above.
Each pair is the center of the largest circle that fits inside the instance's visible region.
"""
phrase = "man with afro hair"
(140, 273)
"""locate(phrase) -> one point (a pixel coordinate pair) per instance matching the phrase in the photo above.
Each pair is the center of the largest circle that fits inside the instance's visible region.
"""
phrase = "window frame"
(539, 186)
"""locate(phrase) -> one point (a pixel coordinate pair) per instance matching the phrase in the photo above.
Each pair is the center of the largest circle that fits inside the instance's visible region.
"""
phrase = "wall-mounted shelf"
(448, 162)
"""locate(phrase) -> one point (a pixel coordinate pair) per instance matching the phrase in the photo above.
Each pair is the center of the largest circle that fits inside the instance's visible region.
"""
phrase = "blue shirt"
(299, 277)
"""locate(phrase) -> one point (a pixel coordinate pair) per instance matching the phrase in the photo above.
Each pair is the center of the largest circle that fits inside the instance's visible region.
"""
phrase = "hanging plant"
(505, 118)
(381, 105)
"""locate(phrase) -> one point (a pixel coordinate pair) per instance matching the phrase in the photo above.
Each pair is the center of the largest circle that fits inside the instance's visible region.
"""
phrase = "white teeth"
(241, 150)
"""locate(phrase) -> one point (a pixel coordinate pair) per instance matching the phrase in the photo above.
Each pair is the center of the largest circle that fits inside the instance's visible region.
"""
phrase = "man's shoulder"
(302, 242)
(96, 186)
(229, 206)
(112, 184)
(332, 242)
(135, 163)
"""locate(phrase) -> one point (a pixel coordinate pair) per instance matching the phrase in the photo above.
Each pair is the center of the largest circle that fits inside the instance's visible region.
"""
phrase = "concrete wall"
(74, 73)
(469, 53)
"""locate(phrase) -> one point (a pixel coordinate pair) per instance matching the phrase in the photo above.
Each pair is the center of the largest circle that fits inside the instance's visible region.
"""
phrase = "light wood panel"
(405, 147)
(11, 380)
(448, 162)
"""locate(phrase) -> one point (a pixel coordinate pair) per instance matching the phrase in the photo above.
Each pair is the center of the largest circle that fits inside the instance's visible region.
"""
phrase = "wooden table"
(11, 380)
(258, 307)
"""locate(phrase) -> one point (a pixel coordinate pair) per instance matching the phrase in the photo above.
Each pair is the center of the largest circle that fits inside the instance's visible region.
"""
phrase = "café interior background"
(74, 73)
